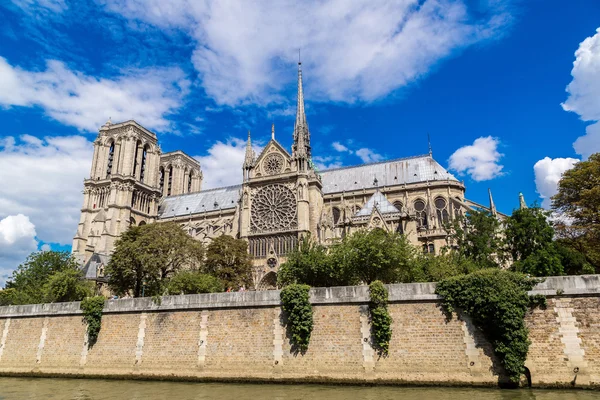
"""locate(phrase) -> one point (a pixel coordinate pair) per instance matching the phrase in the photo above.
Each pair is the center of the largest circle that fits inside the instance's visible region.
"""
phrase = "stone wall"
(240, 336)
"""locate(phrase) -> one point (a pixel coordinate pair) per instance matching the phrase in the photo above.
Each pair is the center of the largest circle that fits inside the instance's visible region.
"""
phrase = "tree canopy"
(228, 259)
(578, 199)
(530, 241)
(475, 236)
(146, 256)
(46, 276)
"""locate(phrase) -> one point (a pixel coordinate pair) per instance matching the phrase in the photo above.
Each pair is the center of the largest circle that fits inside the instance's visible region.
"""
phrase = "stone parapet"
(582, 285)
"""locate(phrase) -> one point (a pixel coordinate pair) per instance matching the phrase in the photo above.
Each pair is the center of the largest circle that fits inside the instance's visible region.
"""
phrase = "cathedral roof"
(379, 201)
(387, 173)
(204, 201)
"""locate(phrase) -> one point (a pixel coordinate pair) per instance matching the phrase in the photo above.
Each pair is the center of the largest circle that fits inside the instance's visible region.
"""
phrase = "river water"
(87, 389)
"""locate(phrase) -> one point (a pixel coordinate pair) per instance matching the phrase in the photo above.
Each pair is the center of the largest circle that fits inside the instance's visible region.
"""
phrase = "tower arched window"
(161, 179)
(136, 163)
(336, 215)
(189, 188)
(169, 180)
(421, 214)
(111, 156)
(441, 209)
(143, 165)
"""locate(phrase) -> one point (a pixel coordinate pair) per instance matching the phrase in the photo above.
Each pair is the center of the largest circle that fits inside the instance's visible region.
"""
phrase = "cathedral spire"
(492, 205)
(301, 145)
(249, 158)
(522, 204)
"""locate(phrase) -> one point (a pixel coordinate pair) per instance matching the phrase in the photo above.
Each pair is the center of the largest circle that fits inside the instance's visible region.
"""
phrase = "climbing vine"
(92, 314)
(296, 305)
(381, 322)
(497, 302)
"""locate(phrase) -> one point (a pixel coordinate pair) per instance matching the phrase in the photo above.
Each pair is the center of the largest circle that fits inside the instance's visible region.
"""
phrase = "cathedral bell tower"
(123, 188)
(281, 197)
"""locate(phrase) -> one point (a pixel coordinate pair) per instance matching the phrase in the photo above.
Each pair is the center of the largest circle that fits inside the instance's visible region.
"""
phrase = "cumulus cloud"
(86, 102)
(480, 160)
(222, 166)
(584, 93)
(43, 179)
(352, 50)
(368, 155)
(337, 146)
(17, 240)
(548, 172)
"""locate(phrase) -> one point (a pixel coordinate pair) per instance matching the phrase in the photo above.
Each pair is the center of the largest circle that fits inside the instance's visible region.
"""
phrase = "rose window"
(273, 209)
(273, 164)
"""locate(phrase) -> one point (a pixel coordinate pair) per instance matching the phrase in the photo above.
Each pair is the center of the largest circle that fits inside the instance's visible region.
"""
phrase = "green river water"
(87, 389)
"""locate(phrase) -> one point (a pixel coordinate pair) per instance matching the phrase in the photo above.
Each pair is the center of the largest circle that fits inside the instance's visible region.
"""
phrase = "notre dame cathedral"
(281, 199)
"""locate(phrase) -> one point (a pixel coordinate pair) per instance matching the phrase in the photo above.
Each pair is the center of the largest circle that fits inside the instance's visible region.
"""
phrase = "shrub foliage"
(296, 305)
(497, 301)
(92, 314)
(381, 322)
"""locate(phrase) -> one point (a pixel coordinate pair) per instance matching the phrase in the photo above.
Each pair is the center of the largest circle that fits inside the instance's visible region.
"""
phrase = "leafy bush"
(296, 305)
(497, 302)
(310, 264)
(381, 322)
(92, 314)
(375, 255)
(26, 284)
(67, 285)
(228, 259)
(192, 282)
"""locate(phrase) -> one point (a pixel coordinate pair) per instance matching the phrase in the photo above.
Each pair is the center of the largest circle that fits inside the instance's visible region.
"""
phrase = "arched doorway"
(268, 282)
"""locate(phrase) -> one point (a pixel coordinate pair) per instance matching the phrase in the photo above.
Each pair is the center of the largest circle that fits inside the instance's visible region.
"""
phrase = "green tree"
(228, 259)
(476, 237)
(578, 198)
(310, 264)
(573, 261)
(434, 268)
(67, 285)
(147, 256)
(28, 280)
(192, 282)
(375, 255)
(529, 239)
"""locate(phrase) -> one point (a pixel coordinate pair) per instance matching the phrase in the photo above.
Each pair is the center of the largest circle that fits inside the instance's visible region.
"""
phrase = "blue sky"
(509, 91)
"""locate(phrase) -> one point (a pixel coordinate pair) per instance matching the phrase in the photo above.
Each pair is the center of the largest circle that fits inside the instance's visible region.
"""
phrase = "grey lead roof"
(388, 173)
(206, 200)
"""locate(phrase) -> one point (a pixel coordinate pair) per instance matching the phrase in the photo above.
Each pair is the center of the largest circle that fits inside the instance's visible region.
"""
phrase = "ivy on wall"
(497, 302)
(92, 314)
(296, 305)
(381, 321)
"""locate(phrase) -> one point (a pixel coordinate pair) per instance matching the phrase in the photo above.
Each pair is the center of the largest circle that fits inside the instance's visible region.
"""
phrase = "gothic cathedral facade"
(282, 197)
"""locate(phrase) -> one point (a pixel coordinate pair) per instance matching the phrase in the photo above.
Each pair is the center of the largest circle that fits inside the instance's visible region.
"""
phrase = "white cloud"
(43, 179)
(327, 162)
(352, 50)
(222, 166)
(42, 6)
(86, 102)
(548, 172)
(17, 240)
(337, 146)
(479, 160)
(368, 155)
(584, 93)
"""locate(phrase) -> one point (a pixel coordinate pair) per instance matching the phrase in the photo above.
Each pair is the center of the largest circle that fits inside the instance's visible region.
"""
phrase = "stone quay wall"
(241, 337)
